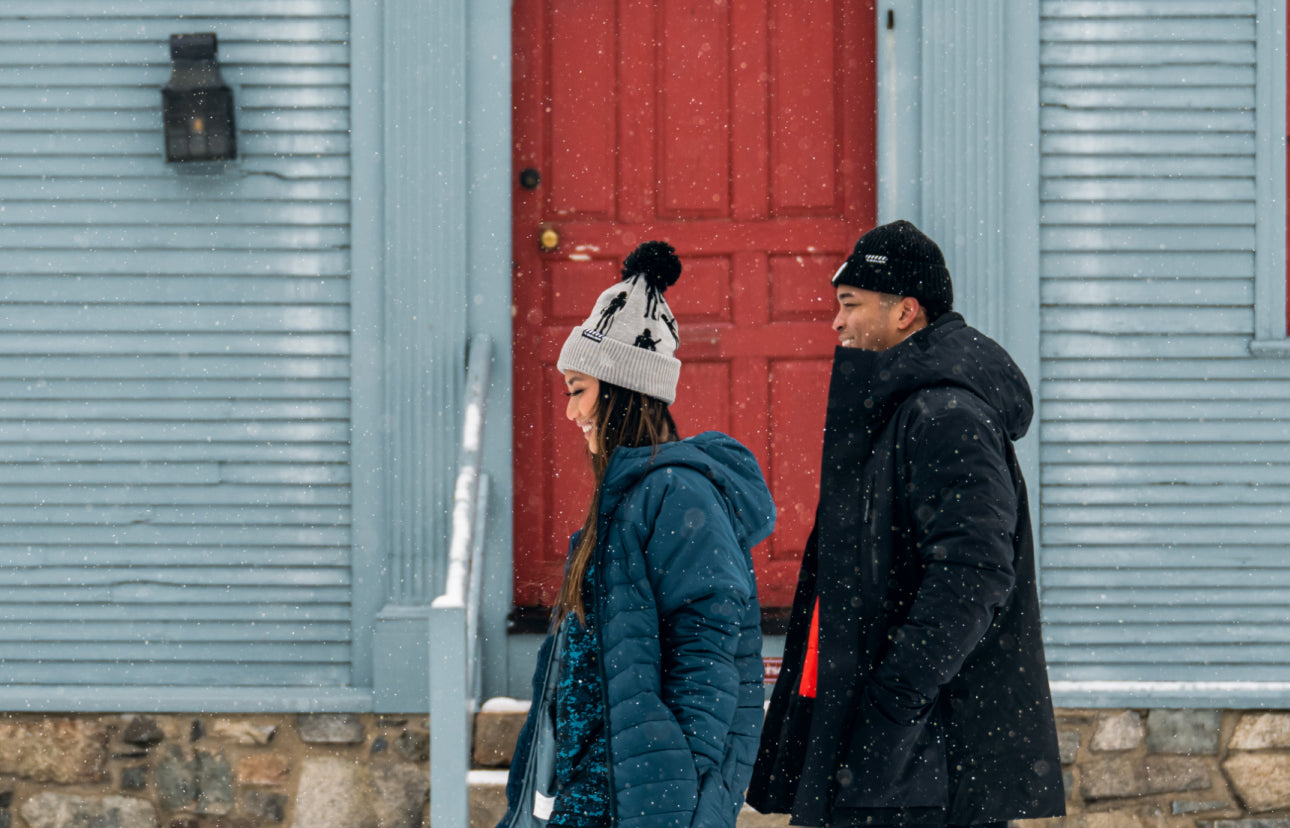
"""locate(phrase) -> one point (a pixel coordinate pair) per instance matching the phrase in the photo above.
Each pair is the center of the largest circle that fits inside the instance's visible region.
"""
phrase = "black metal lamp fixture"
(196, 105)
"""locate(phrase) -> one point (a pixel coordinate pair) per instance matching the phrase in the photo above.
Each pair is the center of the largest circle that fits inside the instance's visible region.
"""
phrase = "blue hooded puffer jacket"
(679, 635)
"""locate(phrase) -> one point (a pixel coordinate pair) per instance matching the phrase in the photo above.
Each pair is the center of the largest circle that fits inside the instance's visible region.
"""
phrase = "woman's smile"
(582, 390)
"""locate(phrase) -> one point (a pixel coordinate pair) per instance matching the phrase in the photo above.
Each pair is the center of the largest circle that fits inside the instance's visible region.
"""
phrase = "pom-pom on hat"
(631, 336)
(900, 260)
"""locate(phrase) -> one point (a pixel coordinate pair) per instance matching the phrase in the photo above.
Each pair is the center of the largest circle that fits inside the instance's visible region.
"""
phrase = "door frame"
(906, 150)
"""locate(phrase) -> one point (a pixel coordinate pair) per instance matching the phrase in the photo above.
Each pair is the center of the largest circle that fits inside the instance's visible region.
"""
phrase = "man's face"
(867, 319)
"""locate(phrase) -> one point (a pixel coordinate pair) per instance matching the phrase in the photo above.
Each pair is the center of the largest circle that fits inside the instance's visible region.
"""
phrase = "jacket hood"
(947, 353)
(725, 461)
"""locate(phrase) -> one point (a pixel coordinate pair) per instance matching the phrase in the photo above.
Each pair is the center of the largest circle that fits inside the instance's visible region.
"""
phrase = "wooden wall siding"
(1166, 451)
(174, 369)
(955, 169)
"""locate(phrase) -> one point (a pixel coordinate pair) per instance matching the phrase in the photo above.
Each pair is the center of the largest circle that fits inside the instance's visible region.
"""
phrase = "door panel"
(804, 147)
(743, 134)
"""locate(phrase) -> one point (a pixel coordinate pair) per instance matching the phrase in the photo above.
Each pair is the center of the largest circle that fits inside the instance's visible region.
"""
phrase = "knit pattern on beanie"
(898, 259)
(630, 338)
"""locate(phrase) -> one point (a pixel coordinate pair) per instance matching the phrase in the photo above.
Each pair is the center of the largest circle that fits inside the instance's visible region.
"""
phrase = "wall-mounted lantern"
(196, 105)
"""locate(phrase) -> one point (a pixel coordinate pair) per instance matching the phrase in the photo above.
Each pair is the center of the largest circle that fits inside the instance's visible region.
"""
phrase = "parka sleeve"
(963, 502)
(702, 583)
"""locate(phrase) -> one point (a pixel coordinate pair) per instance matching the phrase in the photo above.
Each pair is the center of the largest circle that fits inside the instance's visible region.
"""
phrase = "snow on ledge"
(486, 778)
(1180, 694)
(504, 704)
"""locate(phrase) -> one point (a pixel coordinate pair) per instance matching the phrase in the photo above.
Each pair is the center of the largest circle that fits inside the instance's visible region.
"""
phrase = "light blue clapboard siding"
(1166, 449)
(174, 353)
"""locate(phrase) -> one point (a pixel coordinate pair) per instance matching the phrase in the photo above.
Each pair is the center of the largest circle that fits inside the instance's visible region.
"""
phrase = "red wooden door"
(743, 134)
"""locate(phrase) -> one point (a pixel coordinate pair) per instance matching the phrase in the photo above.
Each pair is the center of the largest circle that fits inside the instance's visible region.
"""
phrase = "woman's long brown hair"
(622, 418)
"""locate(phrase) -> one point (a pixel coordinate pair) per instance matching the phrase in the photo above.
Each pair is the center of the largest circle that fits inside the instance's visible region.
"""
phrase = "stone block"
(401, 795)
(1126, 776)
(338, 793)
(1261, 780)
(243, 732)
(202, 783)
(176, 779)
(495, 735)
(1183, 806)
(262, 805)
(264, 769)
(1117, 731)
(1103, 819)
(55, 810)
(413, 746)
(62, 750)
(214, 783)
(1245, 823)
(487, 804)
(1068, 745)
(1166, 774)
(134, 778)
(329, 728)
(1194, 732)
(174, 728)
(142, 731)
(1261, 731)
(332, 794)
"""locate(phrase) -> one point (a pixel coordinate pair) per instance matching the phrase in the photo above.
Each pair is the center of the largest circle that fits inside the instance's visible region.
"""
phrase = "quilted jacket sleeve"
(702, 583)
(963, 502)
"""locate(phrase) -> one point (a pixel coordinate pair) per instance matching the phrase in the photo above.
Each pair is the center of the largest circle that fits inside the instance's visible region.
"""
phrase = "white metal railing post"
(450, 711)
(454, 659)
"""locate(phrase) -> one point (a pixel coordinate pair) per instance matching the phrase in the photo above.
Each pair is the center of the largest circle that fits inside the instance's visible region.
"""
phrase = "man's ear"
(909, 312)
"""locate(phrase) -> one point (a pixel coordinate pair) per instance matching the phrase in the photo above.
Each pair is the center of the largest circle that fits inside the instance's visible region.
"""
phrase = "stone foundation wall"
(1122, 768)
(199, 771)
(1208, 768)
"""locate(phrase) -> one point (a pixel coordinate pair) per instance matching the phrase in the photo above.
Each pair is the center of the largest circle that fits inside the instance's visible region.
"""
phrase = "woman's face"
(583, 391)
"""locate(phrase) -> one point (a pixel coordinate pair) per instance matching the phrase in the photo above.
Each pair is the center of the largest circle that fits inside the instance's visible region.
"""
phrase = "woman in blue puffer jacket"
(647, 700)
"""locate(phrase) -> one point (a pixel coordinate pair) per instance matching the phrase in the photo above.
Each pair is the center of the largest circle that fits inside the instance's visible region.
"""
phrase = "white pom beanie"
(631, 336)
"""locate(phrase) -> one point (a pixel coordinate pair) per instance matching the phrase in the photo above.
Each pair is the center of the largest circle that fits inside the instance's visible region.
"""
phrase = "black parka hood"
(945, 353)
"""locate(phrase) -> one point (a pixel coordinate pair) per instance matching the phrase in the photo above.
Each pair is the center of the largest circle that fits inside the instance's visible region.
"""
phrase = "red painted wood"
(580, 89)
(695, 140)
(741, 133)
(804, 144)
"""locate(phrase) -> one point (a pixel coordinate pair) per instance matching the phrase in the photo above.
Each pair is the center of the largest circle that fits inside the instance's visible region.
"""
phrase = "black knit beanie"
(898, 259)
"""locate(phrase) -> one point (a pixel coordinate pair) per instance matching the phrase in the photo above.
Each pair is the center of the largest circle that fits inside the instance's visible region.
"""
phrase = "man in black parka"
(914, 689)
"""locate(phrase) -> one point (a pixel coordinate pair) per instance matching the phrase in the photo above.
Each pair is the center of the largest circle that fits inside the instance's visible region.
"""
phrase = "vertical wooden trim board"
(1270, 180)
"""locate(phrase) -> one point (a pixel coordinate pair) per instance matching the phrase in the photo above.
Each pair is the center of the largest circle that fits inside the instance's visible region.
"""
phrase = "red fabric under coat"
(810, 664)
